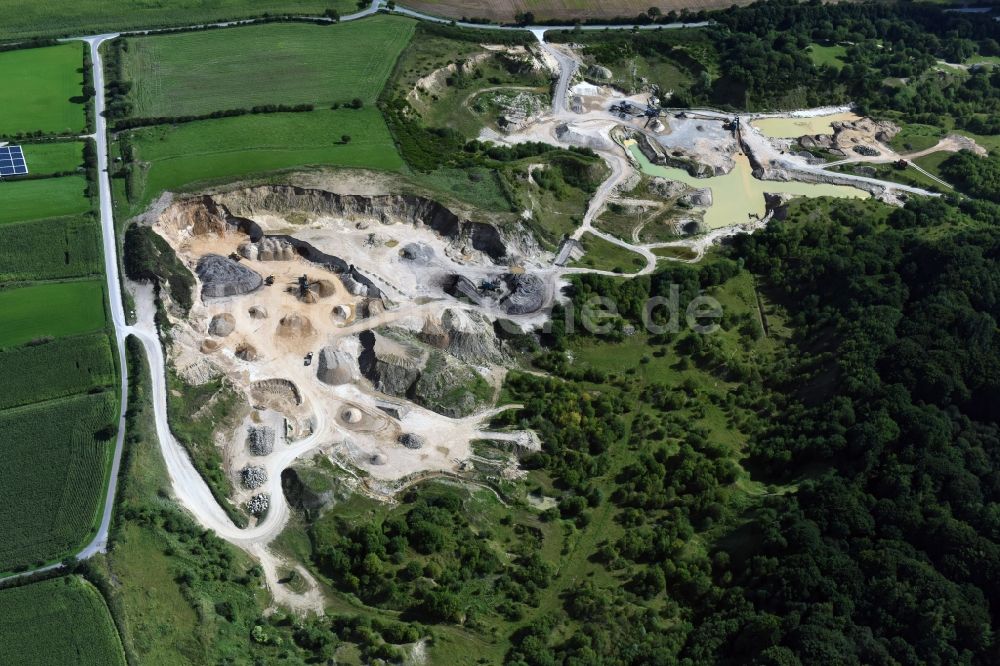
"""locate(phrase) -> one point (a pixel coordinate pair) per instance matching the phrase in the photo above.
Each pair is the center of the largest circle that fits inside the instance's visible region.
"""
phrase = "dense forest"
(881, 426)
(756, 57)
(828, 495)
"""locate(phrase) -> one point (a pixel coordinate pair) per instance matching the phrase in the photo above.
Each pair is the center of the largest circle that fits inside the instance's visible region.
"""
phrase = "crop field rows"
(60, 450)
(60, 621)
(49, 249)
(55, 369)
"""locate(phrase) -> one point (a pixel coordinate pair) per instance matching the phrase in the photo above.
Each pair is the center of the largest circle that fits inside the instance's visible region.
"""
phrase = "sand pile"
(278, 394)
(336, 367)
(246, 352)
(295, 326)
(340, 314)
(323, 288)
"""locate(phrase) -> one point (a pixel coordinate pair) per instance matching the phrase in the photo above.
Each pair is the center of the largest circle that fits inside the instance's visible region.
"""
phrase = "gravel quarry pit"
(283, 309)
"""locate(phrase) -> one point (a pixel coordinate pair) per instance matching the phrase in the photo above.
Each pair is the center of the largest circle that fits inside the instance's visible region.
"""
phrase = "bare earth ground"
(570, 10)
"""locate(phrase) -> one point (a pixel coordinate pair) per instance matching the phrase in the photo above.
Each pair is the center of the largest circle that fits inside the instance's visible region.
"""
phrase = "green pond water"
(792, 128)
(737, 196)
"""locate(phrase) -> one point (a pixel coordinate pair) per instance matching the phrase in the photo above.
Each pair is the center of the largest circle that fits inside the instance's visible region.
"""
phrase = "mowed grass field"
(827, 55)
(175, 156)
(51, 309)
(44, 159)
(24, 200)
(37, 85)
(56, 458)
(49, 249)
(278, 63)
(58, 621)
(87, 17)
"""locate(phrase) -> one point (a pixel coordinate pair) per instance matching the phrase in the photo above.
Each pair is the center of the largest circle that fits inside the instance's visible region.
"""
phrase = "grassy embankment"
(606, 256)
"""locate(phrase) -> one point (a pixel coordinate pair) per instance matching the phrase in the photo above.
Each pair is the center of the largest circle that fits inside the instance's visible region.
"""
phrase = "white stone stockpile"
(253, 476)
(260, 440)
(258, 504)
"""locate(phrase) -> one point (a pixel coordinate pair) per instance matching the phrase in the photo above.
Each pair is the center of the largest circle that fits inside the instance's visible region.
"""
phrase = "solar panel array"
(12, 161)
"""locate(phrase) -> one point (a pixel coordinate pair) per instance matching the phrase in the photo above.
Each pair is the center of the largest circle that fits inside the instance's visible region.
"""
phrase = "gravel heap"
(222, 325)
(253, 476)
(418, 253)
(258, 504)
(260, 439)
(221, 276)
(527, 294)
(411, 441)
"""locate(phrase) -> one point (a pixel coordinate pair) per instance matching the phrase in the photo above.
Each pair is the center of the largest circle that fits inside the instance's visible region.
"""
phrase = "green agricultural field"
(228, 148)
(56, 457)
(87, 17)
(54, 157)
(38, 88)
(53, 309)
(278, 63)
(58, 621)
(56, 369)
(46, 249)
(24, 200)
